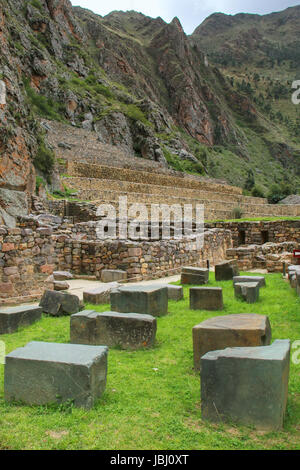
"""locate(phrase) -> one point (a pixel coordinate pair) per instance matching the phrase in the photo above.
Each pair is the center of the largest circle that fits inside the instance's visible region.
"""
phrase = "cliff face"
(138, 82)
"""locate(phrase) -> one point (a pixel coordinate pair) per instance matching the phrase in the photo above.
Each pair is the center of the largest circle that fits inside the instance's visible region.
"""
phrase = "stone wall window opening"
(264, 236)
(242, 237)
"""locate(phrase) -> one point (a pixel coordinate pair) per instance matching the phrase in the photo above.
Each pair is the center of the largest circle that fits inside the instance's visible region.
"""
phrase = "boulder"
(247, 385)
(44, 373)
(126, 330)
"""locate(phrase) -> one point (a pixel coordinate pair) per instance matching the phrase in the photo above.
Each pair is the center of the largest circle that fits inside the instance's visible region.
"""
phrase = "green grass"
(152, 398)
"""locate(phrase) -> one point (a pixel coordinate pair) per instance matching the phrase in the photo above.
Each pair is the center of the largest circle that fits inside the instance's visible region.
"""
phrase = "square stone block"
(248, 291)
(206, 298)
(230, 331)
(175, 292)
(246, 385)
(226, 270)
(113, 275)
(43, 373)
(127, 330)
(59, 303)
(260, 279)
(151, 300)
(99, 295)
(12, 318)
(196, 276)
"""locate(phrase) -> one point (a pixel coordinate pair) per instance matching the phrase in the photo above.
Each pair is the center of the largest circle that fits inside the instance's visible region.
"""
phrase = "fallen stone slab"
(59, 303)
(196, 276)
(246, 385)
(248, 291)
(226, 270)
(113, 275)
(43, 373)
(61, 285)
(206, 298)
(62, 276)
(126, 330)
(12, 318)
(99, 295)
(260, 279)
(230, 331)
(151, 300)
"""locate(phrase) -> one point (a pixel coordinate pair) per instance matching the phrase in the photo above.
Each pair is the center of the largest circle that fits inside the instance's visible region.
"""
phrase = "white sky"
(190, 12)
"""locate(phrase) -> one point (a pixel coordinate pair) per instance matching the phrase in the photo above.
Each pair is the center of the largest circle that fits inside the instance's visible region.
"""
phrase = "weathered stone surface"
(61, 285)
(206, 298)
(246, 385)
(128, 330)
(62, 275)
(12, 318)
(191, 275)
(42, 373)
(99, 295)
(230, 331)
(151, 300)
(113, 275)
(226, 270)
(260, 279)
(174, 292)
(59, 303)
(248, 291)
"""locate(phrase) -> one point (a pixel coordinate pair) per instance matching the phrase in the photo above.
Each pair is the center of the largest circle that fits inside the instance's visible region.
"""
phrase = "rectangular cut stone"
(226, 270)
(246, 385)
(113, 275)
(100, 295)
(43, 373)
(127, 330)
(151, 300)
(230, 331)
(196, 276)
(206, 298)
(174, 292)
(260, 279)
(12, 318)
(59, 303)
(248, 291)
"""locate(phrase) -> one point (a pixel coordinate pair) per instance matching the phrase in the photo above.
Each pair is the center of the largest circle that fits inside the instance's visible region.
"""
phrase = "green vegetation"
(152, 398)
(42, 106)
(44, 158)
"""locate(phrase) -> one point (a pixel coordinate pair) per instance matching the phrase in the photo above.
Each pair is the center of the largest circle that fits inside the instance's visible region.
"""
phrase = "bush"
(237, 213)
(257, 191)
(44, 159)
(278, 192)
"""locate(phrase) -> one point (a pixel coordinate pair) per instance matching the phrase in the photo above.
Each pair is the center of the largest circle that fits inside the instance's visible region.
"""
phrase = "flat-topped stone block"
(12, 318)
(99, 295)
(62, 276)
(61, 285)
(113, 275)
(248, 291)
(59, 303)
(260, 279)
(226, 270)
(246, 385)
(230, 331)
(206, 298)
(127, 330)
(174, 292)
(43, 373)
(151, 300)
(196, 276)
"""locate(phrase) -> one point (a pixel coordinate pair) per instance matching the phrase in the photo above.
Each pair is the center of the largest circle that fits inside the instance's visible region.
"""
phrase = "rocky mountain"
(140, 84)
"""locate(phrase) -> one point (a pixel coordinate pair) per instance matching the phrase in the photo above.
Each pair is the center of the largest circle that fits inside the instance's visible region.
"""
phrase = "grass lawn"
(152, 398)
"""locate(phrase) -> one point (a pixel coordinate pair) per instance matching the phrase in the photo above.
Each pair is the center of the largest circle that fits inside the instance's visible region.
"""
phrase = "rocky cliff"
(138, 82)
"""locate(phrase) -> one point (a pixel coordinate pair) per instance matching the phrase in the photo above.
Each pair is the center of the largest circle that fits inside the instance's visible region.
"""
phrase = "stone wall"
(247, 233)
(270, 256)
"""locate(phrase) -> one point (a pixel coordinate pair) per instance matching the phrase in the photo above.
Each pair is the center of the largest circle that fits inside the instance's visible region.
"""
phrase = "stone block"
(260, 279)
(43, 373)
(206, 298)
(99, 295)
(226, 270)
(127, 330)
(12, 318)
(246, 385)
(151, 300)
(59, 303)
(230, 331)
(61, 285)
(248, 291)
(196, 276)
(113, 275)
(174, 292)
(62, 276)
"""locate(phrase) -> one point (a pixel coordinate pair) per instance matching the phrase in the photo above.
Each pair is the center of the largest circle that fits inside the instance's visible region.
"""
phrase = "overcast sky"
(190, 12)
